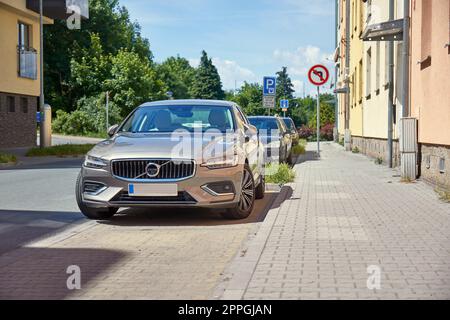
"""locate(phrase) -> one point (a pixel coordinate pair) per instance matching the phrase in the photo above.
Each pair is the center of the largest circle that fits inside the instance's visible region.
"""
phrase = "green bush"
(298, 149)
(279, 173)
(7, 158)
(355, 150)
(89, 119)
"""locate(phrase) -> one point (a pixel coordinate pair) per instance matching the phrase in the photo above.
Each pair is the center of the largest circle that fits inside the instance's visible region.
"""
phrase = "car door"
(286, 138)
(251, 142)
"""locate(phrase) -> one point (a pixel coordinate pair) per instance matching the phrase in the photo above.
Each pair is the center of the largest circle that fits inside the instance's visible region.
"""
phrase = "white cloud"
(299, 62)
(303, 58)
(230, 72)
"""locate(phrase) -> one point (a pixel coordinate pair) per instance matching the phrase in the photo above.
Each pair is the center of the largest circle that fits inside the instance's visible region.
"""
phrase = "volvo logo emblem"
(152, 170)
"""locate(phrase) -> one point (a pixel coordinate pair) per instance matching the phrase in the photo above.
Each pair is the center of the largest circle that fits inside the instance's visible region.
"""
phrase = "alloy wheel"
(248, 192)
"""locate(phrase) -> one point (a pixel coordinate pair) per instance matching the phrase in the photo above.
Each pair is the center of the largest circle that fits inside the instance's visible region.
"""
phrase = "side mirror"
(112, 130)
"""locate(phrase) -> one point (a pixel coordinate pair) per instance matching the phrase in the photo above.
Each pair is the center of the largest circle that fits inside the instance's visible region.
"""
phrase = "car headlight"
(94, 162)
(221, 162)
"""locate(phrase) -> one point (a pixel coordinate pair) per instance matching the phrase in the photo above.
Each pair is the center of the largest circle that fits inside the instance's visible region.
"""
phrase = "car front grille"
(169, 169)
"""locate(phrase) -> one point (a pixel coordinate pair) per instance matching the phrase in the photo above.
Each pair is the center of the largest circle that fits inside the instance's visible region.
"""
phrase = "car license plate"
(153, 190)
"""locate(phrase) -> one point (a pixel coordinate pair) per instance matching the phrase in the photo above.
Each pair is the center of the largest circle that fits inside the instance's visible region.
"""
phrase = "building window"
(24, 104)
(442, 165)
(369, 73)
(11, 103)
(427, 15)
(24, 36)
(360, 81)
(27, 56)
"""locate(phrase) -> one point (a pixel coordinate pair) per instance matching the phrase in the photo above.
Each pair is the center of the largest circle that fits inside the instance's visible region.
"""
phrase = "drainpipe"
(391, 88)
(336, 104)
(347, 70)
(406, 59)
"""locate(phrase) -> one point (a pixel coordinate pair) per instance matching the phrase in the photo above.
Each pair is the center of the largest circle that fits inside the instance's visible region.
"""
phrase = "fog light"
(93, 188)
(219, 188)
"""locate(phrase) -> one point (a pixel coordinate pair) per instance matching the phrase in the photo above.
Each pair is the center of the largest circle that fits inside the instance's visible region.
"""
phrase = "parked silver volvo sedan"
(177, 153)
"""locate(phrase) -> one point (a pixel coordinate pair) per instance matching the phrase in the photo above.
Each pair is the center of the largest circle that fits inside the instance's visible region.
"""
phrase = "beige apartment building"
(363, 86)
(430, 87)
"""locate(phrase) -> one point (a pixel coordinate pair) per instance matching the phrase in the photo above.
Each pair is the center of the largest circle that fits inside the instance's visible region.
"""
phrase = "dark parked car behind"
(292, 129)
(275, 137)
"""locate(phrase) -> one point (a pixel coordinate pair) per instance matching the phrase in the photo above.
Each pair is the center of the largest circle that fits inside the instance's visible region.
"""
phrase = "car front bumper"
(193, 192)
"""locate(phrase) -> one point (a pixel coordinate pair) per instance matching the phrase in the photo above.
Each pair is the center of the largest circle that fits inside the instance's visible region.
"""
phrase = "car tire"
(261, 188)
(247, 198)
(92, 213)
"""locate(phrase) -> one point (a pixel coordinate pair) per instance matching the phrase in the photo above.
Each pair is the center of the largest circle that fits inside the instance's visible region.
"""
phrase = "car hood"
(164, 145)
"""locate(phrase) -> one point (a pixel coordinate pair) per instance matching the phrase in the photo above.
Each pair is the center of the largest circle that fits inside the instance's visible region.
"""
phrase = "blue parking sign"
(269, 86)
(284, 104)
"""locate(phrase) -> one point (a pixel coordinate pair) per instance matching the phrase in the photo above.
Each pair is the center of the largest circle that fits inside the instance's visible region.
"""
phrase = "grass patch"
(279, 173)
(99, 135)
(61, 151)
(7, 158)
(443, 195)
(355, 150)
(379, 160)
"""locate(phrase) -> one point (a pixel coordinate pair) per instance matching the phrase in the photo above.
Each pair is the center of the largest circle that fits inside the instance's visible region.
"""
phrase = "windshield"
(289, 123)
(171, 118)
(264, 123)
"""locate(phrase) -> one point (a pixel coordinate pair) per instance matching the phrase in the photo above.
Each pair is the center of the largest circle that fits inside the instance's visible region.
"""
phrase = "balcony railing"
(27, 66)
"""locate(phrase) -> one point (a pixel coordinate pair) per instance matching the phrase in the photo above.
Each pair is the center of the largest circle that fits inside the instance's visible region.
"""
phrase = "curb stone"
(239, 272)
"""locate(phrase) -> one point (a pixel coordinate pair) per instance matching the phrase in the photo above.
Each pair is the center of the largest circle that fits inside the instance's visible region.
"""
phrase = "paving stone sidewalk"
(343, 215)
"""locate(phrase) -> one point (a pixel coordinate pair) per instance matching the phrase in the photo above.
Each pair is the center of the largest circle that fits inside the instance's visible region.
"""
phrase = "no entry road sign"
(318, 75)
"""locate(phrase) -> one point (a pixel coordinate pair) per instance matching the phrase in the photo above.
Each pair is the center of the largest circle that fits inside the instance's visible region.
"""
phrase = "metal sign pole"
(42, 142)
(318, 121)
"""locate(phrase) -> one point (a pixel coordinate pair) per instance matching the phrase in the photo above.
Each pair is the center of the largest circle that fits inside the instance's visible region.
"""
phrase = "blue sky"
(247, 39)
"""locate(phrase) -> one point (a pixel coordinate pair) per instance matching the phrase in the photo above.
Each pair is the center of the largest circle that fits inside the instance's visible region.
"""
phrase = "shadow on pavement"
(41, 273)
(188, 216)
(308, 156)
(20, 227)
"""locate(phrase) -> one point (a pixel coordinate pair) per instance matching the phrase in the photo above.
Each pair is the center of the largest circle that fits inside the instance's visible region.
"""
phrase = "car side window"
(242, 116)
(281, 126)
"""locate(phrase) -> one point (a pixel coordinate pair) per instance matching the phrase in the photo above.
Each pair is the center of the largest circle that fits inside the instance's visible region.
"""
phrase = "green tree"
(207, 84)
(249, 97)
(89, 73)
(111, 23)
(133, 81)
(285, 88)
(327, 115)
(178, 75)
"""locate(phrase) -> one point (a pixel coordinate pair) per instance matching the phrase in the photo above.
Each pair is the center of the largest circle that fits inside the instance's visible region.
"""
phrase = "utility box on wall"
(408, 148)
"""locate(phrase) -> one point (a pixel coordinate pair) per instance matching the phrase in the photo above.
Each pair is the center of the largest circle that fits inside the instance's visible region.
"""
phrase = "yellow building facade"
(367, 80)
(19, 73)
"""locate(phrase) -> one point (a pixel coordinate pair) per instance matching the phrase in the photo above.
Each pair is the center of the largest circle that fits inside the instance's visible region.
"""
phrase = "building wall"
(18, 96)
(341, 70)
(430, 86)
(356, 67)
(11, 12)
(17, 120)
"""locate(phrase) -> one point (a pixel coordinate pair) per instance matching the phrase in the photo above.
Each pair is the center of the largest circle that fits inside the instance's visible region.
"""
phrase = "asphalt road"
(152, 254)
